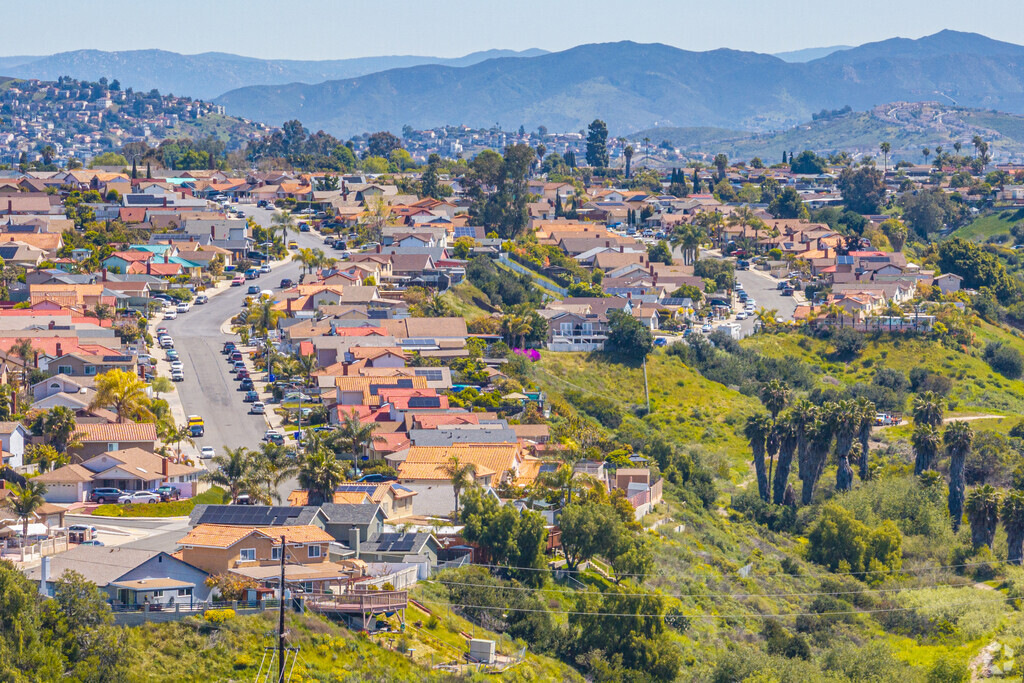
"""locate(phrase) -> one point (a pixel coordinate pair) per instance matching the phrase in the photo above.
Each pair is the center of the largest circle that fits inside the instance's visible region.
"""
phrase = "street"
(209, 389)
(762, 288)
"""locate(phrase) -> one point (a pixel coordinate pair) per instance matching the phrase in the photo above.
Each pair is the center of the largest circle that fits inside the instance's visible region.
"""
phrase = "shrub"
(219, 616)
(847, 343)
(839, 539)
(1005, 360)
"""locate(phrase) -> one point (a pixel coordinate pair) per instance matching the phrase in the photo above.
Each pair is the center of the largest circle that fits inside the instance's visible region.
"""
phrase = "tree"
(788, 204)
(320, 473)
(460, 474)
(863, 189)
(896, 232)
(791, 436)
(161, 385)
(721, 163)
(885, 148)
(627, 336)
(283, 221)
(838, 540)
(512, 538)
(354, 436)
(597, 144)
(24, 350)
(124, 393)
(382, 144)
(982, 509)
(958, 439)
(817, 440)
(866, 412)
(659, 252)
(808, 163)
(59, 427)
(178, 435)
(24, 501)
(845, 420)
(588, 529)
(928, 409)
(926, 153)
(628, 153)
(926, 441)
(757, 429)
(430, 185)
(1012, 516)
(232, 470)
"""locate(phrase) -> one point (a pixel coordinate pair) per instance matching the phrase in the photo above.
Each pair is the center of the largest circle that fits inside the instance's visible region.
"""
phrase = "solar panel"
(424, 402)
(419, 341)
(430, 374)
(465, 231)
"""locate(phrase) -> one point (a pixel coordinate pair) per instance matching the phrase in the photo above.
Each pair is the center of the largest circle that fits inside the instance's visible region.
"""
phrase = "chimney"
(35, 362)
(52, 325)
(353, 540)
(149, 267)
(165, 467)
(165, 202)
(10, 206)
(378, 248)
(651, 269)
(622, 248)
(166, 257)
(104, 271)
(44, 575)
(60, 350)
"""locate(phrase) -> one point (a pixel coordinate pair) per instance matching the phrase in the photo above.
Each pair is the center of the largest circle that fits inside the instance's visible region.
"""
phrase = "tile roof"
(222, 536)
(124, 431)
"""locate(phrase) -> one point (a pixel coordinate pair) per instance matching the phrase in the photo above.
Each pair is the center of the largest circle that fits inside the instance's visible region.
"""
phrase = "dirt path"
(979, 665)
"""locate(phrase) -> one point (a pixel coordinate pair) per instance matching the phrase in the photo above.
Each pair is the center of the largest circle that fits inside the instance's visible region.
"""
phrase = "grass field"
(984, 227)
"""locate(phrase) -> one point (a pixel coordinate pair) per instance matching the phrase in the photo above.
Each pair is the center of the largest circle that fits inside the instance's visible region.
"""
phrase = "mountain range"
(636, 86)
(210, 74)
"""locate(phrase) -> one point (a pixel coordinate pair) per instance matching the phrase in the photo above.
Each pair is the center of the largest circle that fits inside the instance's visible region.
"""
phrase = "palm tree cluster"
(807, 432)
(688, 238)
(985, 508)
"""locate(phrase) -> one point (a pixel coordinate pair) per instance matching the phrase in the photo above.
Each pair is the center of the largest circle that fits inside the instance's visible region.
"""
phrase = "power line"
(752, 615)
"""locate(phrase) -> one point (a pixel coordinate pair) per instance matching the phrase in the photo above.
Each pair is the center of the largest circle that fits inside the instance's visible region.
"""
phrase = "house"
(129, 576)
(217, 549)
(130, 469)
(948, 282)
(423, 471)
(101, 438)
(12, 440)
(394, 547)
(90, 365)
(352, 524)
(394, 499)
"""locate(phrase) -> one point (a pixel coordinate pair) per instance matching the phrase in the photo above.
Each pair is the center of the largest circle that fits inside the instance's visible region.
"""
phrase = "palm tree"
(983, 513)
(124, 393)
(958, 438)
(845, 420)
(928, 408)
(926, 440)
(566, 480)
(518, 326)
(24, 501)
(233, 470)
(787, 435)
(307, 366)
(818, 439)
(178, 435)
(926, 153)
(24, 350)
(757, 429)
(461, 475)
(320, 472)
(436, 307)
(628, 153)
(1012, 516)
(687, 238)
(774, 396)
(866, 412)
(767, 318)
(59, 427)
(885, 148)
(283, 221)
(354, 436)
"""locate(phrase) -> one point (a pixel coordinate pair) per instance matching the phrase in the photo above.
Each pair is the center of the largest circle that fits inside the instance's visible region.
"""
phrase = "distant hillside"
(908, 127)
(634, 87)
(213, 73)
(810, 53)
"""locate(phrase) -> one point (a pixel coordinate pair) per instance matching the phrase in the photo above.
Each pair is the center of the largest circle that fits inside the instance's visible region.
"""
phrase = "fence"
(36, 551)
(461, 561)
(643, 501)
(133, 615)
(539, 280)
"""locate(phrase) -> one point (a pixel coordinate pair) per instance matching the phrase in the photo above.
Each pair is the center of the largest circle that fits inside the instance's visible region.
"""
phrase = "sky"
(337, 29)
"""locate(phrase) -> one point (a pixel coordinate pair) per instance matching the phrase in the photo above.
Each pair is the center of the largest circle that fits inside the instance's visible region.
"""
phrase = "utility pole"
(280, 622)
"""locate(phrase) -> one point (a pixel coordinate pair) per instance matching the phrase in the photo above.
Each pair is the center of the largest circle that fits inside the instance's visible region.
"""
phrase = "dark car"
(303, 227)
(105, 495)
(228, 347)
(253, 289)
(286, 283)
(167, 493)
(246, 384)
(251, 396)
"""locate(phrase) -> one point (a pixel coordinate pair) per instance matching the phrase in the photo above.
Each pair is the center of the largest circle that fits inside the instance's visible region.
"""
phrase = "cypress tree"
(783, 156)
(558, 206)
(696, 182)
(135, 170)
(149, 171)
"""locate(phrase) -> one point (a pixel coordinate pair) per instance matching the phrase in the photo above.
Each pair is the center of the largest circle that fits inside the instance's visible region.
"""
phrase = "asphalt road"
(209, 389)
(762, 288)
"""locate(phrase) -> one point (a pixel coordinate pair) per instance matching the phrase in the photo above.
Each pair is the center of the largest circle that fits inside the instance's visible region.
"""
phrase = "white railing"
(36, 551)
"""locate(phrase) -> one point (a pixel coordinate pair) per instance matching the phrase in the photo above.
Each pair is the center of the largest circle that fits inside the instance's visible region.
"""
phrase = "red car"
(238, 280)
(242, 374)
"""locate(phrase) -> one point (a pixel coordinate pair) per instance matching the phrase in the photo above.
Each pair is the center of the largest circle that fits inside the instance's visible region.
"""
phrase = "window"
(184, 592)
(566, 329)
(315, 550)
(113, 446)
(247, 554)
(307, 586)
(275, 553)
(63, 369)
(158, 594)
(90, 370)
(588, 328)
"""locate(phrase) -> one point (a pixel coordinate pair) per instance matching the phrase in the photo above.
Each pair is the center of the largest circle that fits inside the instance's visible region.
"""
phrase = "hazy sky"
(334, 29)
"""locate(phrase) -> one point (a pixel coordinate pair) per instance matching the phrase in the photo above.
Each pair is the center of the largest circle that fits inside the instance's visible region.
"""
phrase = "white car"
(207, 452)
(265, 268)
(258, 408)
(177, 376)
(742, 315)
(139, 497)
(272, 434)
(183, 307)
(177, 365)
(170, 313)
(739, 286)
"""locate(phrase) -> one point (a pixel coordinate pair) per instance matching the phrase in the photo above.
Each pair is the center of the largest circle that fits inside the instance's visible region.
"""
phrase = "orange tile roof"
(488, 458)
(300, 497)
(362, 383)
(123, 431)
(218, 536)
(433, 470)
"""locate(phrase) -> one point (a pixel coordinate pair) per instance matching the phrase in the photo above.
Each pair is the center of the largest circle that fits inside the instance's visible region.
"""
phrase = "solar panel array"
(431, 375)
(424, 402)
(249, 515)
(465, 231)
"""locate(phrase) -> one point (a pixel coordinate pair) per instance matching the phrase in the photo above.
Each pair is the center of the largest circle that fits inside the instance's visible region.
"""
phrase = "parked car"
(183, 307)
(138, 497)
(273, 436)
(105, 495)
(251, 396)
(293, 245)
(742, 315)
(177, 376)
(257, 408)
(167, 343)
(265, 268)
(92, 542)
(238, 280)
(237, 365)
(177, 365)
(167, 493)
(172, 355)
(246, 384)
(161, 331)
(376, 478)
(253, 289)
(207, 452)
(202, 299)
(235, 356)
(228, 347)
(170, 313)
(303, 227)
(286, 283)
